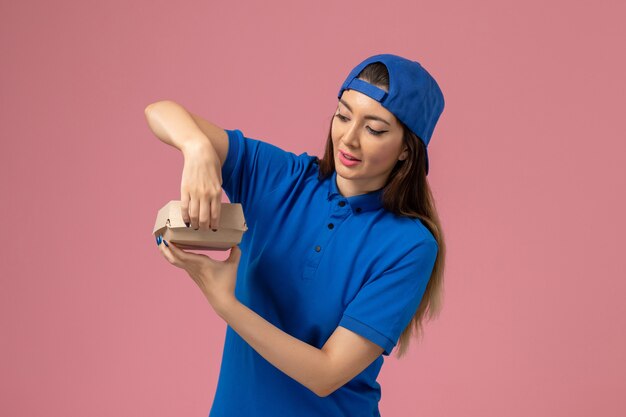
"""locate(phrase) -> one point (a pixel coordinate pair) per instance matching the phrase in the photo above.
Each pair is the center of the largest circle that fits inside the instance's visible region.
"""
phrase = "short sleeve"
(387, 301)
(253, 168)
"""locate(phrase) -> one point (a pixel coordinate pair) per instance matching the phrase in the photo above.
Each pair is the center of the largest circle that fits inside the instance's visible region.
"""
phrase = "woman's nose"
(351, 136)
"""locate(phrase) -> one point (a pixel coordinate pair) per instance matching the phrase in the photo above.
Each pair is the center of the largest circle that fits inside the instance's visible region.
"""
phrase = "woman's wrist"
(197, 146)
(224, 305)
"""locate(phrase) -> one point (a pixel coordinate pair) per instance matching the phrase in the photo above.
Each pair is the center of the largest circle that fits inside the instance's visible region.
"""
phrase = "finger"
(216, 206)
(167, 253)
(235, 254)
(185, 257)
(204, 213)
(184, 206)
(193, 212)
(178, 257)
(177, 253)
(171, 249)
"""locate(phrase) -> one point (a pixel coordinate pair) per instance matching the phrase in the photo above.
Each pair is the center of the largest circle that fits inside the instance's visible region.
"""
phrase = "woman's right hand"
(201, 186)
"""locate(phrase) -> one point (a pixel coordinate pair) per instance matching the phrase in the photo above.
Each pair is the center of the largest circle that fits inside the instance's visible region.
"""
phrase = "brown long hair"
(406, 193)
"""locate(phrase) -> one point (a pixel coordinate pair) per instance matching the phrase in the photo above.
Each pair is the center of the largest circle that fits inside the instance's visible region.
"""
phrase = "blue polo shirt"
(313, 260)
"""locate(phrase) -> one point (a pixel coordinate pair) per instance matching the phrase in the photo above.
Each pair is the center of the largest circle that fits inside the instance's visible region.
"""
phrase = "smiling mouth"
(348, 157)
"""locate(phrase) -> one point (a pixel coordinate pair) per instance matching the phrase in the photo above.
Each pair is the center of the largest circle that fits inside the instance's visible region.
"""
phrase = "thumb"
(235, 254)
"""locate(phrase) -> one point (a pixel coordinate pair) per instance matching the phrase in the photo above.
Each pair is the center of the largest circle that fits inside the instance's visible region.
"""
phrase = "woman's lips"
(346, 161)
(349, 155)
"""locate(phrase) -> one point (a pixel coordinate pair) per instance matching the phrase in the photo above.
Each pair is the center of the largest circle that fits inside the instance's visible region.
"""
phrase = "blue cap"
(414, 96)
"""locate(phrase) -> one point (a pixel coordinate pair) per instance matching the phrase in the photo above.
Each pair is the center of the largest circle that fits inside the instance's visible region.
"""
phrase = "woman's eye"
(372, 131)
(376, 132)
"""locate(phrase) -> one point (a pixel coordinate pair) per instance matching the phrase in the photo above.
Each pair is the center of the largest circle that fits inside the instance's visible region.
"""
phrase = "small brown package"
(170, 225)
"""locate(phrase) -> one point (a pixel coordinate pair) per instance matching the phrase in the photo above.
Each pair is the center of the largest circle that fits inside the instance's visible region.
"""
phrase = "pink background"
(527, 168)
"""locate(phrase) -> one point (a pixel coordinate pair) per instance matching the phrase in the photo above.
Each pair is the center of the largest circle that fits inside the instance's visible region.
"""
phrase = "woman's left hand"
(216, 279)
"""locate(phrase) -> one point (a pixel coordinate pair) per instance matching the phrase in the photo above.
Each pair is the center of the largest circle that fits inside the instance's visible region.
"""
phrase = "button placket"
(339, 213)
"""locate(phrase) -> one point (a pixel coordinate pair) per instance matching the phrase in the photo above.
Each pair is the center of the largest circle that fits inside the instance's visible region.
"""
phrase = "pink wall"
(527, 166)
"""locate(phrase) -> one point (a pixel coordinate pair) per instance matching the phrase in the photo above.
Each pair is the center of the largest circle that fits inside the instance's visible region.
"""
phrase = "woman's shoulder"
(309, 163)
(410, 230)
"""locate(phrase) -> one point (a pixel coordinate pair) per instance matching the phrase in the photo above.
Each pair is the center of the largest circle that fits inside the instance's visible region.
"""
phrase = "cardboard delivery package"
(170, 225)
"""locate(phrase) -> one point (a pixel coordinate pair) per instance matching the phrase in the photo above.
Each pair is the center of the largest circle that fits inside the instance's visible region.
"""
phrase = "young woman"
(344, 255)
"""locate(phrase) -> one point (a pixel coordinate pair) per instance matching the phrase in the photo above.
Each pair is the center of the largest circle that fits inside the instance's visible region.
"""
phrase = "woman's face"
(362, 127)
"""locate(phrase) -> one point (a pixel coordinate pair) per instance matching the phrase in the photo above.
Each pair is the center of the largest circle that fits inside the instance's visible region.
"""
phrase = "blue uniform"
(313, 260)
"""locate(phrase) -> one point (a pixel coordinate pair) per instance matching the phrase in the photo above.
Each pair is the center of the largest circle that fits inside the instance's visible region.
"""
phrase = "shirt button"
(358, 209)
(330, 225)
(317, 248)
(342, 203)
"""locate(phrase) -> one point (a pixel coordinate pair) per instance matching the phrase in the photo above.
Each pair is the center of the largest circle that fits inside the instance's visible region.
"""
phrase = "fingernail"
(165, 241)
(158, 240)
(187, 224)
